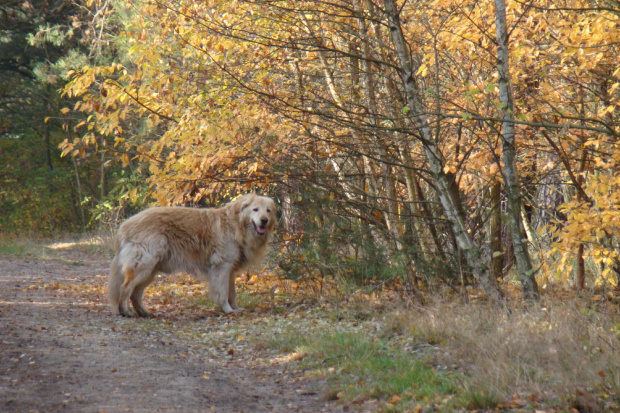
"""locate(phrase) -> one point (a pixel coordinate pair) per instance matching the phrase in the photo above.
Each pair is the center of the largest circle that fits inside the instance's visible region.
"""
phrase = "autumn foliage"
(384, 155)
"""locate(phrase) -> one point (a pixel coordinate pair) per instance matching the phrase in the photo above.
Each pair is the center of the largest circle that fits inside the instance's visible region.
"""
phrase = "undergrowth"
(561, 354)
(360, 367)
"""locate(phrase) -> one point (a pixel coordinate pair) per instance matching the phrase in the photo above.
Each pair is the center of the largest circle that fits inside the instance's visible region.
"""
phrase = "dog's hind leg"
(126, 291)
(136, 297)
(132, 289)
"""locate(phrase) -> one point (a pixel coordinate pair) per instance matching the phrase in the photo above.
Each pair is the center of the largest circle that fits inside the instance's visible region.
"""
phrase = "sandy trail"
(62, 350)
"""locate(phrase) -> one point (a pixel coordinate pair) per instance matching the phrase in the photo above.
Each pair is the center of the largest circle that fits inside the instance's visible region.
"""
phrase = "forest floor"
(62, 349)
(295, 348)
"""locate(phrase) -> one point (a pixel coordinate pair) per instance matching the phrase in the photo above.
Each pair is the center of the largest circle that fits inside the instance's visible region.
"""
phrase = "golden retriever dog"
(213, 244)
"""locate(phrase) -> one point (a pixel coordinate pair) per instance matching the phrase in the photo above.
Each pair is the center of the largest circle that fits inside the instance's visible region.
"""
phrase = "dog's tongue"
(260, 230)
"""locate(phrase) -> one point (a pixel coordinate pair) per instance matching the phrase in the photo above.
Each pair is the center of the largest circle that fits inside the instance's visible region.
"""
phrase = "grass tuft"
(37, 248)
(544, 354)
(22, 248)
(360, 368)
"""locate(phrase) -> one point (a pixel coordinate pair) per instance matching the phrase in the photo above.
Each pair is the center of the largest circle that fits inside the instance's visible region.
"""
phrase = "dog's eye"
(268, 211)
(255, 209)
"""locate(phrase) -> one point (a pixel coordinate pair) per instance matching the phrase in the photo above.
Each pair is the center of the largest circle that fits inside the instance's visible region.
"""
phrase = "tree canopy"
(431, 142)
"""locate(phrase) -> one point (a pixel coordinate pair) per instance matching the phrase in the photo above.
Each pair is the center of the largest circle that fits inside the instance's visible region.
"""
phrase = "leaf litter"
(61, 339)
(64, 350)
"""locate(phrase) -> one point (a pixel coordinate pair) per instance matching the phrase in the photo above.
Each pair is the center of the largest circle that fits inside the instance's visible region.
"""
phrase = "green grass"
(480, 398)
(362, 368)
(38, 248)
(22, 248)
(560, 356)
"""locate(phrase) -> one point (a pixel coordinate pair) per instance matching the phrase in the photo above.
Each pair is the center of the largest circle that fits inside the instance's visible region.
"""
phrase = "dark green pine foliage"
(39, 41)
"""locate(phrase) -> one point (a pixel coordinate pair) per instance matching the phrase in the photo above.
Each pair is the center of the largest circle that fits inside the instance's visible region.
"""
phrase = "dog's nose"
(264, 221)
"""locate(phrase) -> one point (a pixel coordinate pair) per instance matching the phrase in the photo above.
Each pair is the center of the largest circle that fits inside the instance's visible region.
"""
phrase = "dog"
(213, 244)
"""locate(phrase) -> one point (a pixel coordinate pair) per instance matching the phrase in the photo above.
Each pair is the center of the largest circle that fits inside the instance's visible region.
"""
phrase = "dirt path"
(63, 350)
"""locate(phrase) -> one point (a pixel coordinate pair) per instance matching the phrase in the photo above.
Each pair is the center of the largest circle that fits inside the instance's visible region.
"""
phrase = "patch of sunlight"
(288, 358)
(67, 245)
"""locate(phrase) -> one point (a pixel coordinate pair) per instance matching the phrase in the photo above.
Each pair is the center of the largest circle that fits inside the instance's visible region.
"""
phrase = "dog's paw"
(144, 314)
(126, 313)
(228, 309)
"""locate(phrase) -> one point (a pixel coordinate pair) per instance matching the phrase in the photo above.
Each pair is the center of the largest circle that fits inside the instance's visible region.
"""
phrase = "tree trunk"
(47, 131)
(78, 183)
(581, 264)
(417, 111)
(391, 215)
(495, 231)
(102, 169)
(511, 175)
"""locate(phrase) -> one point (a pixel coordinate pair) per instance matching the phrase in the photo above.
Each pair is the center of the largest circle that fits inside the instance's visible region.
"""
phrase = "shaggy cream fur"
(213, 244)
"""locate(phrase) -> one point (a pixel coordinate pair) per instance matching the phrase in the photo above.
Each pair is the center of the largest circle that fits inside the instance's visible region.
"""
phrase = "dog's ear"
(243, 202)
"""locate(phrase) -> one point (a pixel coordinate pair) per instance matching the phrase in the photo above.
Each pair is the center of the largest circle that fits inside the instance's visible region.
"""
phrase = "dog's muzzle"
(262, 228)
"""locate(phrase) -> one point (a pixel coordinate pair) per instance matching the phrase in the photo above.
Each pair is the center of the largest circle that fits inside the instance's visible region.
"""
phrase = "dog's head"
(259, 212)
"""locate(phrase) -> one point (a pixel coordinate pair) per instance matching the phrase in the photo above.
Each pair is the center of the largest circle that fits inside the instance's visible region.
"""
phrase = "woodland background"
(429, 142)
(433, 160)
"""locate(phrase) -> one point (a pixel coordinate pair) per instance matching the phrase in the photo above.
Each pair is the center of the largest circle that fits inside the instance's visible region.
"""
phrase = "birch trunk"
(511, 175)
(434, 157)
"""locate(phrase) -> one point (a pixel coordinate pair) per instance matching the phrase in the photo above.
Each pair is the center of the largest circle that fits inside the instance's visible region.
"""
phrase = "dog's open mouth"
(259, 229)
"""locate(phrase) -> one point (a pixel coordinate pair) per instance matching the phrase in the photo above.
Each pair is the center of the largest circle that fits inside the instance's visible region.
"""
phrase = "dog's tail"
(115, 281)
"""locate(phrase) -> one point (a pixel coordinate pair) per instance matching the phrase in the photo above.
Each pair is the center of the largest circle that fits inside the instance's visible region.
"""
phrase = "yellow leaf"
(449, 169)
(395, 399)
(422, 70)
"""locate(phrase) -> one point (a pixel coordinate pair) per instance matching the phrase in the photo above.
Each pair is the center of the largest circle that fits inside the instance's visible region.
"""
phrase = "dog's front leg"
(220, 286)
(232, 294)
